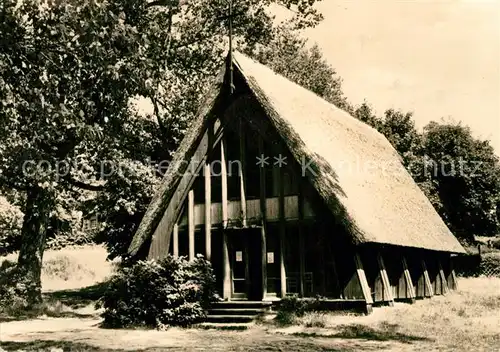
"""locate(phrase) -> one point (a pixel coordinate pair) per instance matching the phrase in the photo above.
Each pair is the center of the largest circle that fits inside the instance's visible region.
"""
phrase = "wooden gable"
(241, 136)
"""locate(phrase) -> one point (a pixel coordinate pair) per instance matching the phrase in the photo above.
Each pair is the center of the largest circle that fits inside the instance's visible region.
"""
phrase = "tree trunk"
(39, 204)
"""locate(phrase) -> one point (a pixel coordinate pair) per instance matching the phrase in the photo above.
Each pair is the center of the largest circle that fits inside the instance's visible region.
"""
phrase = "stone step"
(224, 326)
(236, 311)
(230, 318)
(244, 304)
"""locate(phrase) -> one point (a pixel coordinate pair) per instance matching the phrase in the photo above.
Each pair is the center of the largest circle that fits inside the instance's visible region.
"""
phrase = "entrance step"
(237, 311)
(244, 304)
(229, 318)
(225, 326)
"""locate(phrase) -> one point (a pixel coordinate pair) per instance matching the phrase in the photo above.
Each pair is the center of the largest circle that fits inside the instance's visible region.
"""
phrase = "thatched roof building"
(359, 174)
(362, 188)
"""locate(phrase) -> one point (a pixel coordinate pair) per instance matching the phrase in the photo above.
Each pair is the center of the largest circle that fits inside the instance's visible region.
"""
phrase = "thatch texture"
(356, 170)
(353, 167)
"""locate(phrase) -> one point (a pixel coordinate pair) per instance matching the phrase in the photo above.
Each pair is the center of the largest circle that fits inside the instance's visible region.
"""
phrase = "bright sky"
(435, 58)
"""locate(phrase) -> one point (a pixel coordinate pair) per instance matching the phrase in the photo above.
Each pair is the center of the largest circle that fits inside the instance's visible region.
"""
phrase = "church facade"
(286, 194)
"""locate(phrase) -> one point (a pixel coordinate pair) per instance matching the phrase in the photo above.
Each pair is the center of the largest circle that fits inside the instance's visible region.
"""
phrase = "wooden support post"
(207, 173)
(364, 283)
(191, 224)
(436, 282)
(224, 183)
(410, 289)
(225, 244)
(428, 290)
(302, 261)
(386, 294)
(226, 275)
(442, 277)
(242, 174)
(175, 242)
(208, 212)
(263, 259)
(263, 210)
(282, 231)
(451, 277)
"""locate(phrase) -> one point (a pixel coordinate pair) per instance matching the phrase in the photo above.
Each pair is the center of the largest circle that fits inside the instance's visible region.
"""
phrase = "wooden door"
(239, 266)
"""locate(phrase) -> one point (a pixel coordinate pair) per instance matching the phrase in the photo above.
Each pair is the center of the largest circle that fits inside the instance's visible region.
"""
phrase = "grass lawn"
(466, 320)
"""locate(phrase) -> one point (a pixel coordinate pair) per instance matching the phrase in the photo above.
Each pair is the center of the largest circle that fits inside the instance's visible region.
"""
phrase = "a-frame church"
(286, 194)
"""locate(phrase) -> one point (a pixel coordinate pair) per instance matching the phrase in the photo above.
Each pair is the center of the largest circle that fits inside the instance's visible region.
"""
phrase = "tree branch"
(171, 3)
(85, 186)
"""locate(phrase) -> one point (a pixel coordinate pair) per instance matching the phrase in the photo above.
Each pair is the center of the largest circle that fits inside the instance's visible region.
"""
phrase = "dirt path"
(83, 334)
(467, 320)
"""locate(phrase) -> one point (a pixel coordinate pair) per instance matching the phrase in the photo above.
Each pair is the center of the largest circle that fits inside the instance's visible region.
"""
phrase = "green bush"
(73, 237)
(285, 318)
(490, 263)
(10, 227)
(293, 307)
(495, 243)
(298, 306)
(14, 289)
(314, 320)
(170, 292)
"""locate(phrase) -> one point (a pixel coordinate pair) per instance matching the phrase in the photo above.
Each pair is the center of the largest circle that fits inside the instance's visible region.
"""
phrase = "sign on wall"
(239, 256)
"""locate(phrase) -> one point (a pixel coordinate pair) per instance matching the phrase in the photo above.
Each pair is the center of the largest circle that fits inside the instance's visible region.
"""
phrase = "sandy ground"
(438, 324)
(466, 320)
(83, 334)
(73, 267)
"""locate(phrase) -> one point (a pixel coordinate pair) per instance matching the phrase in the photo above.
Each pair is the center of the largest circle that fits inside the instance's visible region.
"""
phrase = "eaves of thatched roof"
(357, 172)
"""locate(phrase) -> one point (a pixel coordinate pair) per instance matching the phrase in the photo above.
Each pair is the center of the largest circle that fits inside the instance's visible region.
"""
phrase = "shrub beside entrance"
(169, 292)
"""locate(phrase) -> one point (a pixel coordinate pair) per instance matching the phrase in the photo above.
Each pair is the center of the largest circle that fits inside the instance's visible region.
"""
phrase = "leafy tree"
(459, 174)
(399, 128)
(364, 112)
(68, 73)
(465, 173)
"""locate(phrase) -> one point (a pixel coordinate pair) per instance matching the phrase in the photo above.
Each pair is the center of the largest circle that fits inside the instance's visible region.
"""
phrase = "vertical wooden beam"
(302, 267)
(451, 277)
(263, 242)
(282, 230)
(444, 282)
(226, 274)
(225, 244)
(410, 289)
(208, 211)
(436, 281)
(364, 283)
(386, 285)
(207, 173)
(242, 173)
(175, 240)
(428, 289)
(224, 182)
(191, 224)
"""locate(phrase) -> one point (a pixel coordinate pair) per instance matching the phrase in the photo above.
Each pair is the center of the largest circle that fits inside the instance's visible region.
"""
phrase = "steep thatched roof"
(354, 168)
